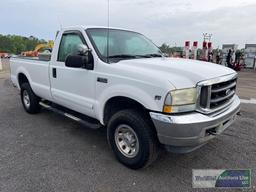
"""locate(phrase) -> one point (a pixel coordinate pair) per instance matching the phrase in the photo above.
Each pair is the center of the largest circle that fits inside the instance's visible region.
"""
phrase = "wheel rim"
(126, 141)
(26, 99)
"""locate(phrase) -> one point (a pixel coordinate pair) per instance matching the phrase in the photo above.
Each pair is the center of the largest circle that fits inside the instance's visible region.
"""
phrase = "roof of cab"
(91, 26)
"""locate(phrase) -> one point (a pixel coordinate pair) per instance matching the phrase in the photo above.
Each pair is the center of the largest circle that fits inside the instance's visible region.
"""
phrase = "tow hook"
(211, 131)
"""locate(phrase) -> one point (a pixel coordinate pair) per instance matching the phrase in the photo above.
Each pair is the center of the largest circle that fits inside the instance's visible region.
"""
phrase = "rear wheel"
(29, 100)
(133, 139)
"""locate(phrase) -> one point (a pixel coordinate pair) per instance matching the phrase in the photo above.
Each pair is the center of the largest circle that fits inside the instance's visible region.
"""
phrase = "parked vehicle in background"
(13, 56)
(119, 79)
(3, 54)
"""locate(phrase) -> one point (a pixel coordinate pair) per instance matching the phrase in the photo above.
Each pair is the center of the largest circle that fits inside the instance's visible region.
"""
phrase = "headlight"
(181, 100)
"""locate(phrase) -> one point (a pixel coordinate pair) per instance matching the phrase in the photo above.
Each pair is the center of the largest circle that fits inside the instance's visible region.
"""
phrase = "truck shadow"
(97, 140)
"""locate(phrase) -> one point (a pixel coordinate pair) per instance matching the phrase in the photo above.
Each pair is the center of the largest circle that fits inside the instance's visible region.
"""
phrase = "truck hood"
(181, 73)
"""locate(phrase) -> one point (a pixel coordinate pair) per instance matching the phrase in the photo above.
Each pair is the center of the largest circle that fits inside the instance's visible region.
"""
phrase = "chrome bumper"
(186, 132)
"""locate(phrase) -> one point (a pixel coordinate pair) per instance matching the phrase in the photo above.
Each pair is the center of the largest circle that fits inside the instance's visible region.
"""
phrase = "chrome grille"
(221, 93)
(216, 94)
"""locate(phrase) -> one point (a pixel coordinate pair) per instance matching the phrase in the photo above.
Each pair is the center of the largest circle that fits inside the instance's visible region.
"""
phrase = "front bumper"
(187, 132)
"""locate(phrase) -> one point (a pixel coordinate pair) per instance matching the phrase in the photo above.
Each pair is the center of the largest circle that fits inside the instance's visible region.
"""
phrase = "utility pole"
(207, 46)
(207, 37)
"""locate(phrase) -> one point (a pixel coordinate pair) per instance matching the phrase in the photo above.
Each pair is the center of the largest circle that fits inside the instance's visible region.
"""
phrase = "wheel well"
(22, 79)
(116, 104)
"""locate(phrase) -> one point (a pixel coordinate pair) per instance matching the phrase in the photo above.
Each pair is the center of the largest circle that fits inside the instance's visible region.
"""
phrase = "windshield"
(122, 45)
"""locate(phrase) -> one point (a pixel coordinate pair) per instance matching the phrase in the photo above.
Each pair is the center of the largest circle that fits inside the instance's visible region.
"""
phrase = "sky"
(163, 21)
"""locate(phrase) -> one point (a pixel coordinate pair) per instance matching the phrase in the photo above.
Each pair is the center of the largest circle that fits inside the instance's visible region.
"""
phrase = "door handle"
(54, 73)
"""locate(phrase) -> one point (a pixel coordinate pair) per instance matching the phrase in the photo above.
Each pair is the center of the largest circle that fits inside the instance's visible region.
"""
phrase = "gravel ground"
(247, 84)
(47, 152)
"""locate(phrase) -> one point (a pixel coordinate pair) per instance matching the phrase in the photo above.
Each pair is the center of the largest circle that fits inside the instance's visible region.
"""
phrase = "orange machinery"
(39, 47)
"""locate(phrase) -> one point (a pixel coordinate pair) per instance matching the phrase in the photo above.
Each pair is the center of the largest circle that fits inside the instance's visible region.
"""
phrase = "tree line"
(16, 44)
(170, 50)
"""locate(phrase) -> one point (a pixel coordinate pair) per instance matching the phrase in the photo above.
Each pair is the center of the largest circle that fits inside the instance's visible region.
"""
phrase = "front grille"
(217, 95)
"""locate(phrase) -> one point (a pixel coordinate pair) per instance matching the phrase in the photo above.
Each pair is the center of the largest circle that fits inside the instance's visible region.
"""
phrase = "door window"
(68, 45)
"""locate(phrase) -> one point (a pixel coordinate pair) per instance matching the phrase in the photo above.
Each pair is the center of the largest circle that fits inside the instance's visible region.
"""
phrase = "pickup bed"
(118, 79)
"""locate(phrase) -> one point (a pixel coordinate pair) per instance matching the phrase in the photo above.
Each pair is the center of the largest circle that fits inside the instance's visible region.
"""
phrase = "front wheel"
(133, 139)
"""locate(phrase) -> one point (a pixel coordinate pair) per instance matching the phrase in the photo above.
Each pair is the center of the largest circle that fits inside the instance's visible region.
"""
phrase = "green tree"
(170, 50)
(16, 44)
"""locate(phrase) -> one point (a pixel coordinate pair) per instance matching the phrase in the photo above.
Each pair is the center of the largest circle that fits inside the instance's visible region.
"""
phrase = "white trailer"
(250, 55)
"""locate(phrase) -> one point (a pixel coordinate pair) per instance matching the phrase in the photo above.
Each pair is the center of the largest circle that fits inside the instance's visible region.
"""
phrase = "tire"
(29, 100)
(144, 150)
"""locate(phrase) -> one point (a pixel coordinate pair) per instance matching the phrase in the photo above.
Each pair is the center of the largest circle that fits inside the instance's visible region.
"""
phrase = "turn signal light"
(167, 109)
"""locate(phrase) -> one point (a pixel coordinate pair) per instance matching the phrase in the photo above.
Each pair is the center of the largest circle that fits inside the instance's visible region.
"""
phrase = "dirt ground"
(246, 88)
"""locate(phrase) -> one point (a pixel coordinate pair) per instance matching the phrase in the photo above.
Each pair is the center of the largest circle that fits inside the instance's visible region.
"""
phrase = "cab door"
(73, 88)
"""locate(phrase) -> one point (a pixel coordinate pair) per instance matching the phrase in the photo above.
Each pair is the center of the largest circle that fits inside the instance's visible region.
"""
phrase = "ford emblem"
(228, 91)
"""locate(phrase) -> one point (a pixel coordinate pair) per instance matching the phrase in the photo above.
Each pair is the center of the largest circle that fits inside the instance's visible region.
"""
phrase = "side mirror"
(81, 59)
(82, 49)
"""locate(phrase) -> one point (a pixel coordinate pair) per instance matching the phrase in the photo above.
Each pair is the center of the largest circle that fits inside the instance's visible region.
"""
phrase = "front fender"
(128, 91)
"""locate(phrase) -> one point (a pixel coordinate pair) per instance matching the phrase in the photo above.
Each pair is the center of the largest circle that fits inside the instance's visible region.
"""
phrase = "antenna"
(59, 22)
(60, 26)
(108, 36)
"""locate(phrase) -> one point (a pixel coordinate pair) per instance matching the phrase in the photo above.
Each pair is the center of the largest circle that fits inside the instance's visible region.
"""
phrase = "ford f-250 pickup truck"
(119, 80)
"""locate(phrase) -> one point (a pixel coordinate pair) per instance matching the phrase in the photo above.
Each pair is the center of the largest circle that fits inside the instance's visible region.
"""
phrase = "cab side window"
(68, 45)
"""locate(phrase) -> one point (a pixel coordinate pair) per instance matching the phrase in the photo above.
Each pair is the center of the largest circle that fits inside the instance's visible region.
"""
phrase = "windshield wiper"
(149, 55)
(153, 55)
(127, 56)
(122, 56)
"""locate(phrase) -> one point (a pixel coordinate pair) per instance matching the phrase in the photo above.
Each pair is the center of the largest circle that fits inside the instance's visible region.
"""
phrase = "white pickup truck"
(118, 79)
